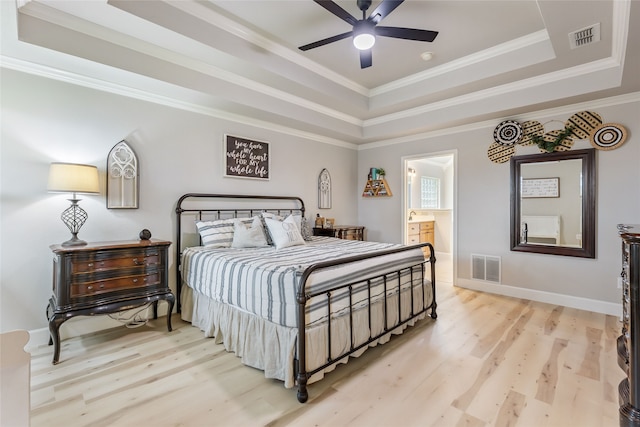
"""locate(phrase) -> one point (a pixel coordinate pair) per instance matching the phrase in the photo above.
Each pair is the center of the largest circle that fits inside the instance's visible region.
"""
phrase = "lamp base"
(74, 241)
(74, 217)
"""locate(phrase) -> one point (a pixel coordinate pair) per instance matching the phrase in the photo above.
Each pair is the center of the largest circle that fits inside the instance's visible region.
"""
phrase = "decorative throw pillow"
(306, 229)
(264, 215)
(218, 233)
(252, 236)
(303, 226)
(284, 233)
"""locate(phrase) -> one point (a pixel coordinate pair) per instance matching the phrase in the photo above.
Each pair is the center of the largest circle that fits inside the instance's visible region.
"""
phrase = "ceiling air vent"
(585, 36)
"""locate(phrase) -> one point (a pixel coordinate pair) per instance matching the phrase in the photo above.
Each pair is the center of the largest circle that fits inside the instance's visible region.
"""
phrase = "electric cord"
(132, 320)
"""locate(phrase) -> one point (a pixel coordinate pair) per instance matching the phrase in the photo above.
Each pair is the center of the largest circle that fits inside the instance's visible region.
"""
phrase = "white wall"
(179, 152)
(483, 203)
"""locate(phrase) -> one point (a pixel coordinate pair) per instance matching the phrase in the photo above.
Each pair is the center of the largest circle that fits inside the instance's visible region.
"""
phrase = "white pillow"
(218, 233)
(249, 237)
(284, 233)
(303, 226)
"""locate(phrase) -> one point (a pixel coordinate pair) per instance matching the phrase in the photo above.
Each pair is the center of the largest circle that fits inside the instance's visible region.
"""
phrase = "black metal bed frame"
(302, 295)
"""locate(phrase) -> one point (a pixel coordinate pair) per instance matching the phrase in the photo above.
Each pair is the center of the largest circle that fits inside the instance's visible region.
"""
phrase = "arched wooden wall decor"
(122, 177)
(324, 190)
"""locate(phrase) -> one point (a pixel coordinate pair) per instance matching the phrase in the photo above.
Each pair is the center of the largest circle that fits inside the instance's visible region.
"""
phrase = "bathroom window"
(429, 192)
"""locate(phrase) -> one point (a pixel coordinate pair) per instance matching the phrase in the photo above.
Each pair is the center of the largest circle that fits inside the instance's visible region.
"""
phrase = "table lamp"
(73, 178)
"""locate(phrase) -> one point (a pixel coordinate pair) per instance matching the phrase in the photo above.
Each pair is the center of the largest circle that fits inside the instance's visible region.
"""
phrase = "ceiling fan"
(366, 29)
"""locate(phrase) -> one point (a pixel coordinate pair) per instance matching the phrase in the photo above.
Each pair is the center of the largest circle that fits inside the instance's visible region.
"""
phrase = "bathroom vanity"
(421, 231)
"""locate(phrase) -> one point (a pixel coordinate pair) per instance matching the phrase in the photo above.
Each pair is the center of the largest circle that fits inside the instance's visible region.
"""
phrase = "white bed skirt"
(272, 348)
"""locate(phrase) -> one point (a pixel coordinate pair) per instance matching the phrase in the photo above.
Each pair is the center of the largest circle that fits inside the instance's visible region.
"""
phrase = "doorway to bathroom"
(429, 203)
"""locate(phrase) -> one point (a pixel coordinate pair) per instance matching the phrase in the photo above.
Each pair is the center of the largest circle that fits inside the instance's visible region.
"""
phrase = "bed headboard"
(193, 207)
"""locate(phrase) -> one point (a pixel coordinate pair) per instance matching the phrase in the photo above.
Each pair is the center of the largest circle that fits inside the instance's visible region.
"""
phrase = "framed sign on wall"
(246, 158)
(540, 187)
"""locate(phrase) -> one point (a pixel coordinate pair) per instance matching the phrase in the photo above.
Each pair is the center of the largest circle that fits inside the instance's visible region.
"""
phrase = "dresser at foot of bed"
(107, 277)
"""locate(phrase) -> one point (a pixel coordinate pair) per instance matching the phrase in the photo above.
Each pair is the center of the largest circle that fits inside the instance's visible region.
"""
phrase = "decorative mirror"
(324, 190)
(553, 203)
(122, 177)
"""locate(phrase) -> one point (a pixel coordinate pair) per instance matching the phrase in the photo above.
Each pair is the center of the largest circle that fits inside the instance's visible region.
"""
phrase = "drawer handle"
(89, 287)
(90, 264)
(135, 280)
(135, 261)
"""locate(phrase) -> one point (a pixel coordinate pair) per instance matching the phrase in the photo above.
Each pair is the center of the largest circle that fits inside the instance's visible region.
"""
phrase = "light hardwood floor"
(486, 361)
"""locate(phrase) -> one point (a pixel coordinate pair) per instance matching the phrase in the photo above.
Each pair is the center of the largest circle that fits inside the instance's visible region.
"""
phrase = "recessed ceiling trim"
(497, 51)
(40, 10)
(117, 89)
(620, 30)
(236, 29)
(535, 84)
(565, 110)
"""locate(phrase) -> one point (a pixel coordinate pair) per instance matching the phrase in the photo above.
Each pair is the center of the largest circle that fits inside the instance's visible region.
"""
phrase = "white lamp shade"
(73, 178)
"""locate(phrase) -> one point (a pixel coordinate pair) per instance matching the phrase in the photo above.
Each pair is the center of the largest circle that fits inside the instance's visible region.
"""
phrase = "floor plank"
(487, 360)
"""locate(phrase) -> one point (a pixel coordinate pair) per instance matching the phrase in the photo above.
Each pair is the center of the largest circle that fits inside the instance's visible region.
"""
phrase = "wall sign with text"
(540, 187)
(245, 158)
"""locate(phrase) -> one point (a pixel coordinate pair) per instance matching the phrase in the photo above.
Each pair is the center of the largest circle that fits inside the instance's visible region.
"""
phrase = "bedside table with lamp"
(100, 277)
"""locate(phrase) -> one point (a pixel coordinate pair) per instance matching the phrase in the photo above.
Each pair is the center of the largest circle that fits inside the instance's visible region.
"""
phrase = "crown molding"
(43, 11)
(536, 84)
(117, 89)
(250, 36)
(475, 58)
(487, 124)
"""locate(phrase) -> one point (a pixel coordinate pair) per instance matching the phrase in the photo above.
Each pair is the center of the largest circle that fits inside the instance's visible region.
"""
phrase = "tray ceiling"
(239, 59)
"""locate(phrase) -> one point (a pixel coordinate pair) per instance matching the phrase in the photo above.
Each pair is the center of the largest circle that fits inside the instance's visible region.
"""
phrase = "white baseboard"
(610, 308)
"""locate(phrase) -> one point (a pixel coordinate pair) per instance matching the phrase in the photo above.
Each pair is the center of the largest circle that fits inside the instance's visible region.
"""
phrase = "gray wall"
(179, 152)
(483, 201)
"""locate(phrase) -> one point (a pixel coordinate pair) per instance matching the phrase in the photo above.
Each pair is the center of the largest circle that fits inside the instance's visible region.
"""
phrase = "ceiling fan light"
(364, 41)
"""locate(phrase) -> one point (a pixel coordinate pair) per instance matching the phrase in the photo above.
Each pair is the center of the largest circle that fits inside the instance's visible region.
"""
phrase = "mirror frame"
(588, 157)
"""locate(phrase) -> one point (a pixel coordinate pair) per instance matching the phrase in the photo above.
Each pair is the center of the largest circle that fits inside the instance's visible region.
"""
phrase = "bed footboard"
(396, 312)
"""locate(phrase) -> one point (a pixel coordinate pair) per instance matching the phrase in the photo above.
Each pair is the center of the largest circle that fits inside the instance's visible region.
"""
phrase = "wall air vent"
(585, 36)
(485, 267)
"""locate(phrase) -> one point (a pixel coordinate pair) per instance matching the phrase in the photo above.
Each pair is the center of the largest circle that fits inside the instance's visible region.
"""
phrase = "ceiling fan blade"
(384, 9)
(365, 58)
(406, 33)
(337, 11)
(326, 41)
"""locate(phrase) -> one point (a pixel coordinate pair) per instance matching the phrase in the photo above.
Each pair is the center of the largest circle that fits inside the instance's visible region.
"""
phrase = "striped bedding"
(263, 281)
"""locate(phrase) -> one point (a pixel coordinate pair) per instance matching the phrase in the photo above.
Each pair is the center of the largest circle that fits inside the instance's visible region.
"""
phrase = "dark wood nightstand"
(348, 232)
(326, 232)
(107, 277)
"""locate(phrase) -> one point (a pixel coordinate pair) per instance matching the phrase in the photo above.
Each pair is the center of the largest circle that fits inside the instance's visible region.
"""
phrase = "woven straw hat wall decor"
(583, 125)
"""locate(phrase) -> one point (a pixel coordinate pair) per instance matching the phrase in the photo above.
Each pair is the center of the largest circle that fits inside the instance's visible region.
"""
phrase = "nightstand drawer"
(111, 285)
(136, 260)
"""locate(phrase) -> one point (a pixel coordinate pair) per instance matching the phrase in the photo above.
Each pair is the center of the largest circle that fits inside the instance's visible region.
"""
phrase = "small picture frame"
(329, 222)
